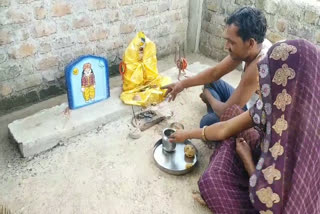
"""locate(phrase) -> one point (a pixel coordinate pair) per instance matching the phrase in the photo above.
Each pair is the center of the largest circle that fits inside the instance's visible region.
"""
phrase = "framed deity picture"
(87, 81)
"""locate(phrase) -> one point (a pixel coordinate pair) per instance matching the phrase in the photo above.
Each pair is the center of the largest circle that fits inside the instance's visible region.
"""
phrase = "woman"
(286, 177)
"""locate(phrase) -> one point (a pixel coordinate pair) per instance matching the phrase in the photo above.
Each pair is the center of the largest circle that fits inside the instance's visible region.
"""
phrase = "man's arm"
(207, 76)
(247, 86)
(212, 74)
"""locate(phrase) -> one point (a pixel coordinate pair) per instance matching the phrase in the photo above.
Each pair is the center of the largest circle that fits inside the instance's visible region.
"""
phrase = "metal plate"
(176, 162)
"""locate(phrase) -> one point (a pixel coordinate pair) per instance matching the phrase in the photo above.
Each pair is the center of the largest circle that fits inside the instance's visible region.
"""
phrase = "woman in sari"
(278, 172)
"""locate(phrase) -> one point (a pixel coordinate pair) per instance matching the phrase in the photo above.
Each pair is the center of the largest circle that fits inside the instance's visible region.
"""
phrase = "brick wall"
(39, 38)
(287, 19)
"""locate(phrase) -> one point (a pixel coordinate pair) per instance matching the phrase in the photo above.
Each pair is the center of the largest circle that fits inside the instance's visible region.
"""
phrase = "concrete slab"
(45, 129)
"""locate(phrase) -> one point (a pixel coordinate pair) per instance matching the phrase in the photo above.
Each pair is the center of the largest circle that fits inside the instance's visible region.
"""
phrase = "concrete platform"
(47, 128)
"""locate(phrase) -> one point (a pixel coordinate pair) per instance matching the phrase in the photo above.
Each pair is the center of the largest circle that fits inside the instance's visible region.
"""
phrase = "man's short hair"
(251, 23)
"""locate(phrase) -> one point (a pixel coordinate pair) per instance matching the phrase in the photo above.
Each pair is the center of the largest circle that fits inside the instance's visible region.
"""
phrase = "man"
(245, 32)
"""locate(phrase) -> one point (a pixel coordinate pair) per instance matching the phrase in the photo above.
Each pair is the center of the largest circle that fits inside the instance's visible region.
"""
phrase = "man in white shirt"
(245, 40)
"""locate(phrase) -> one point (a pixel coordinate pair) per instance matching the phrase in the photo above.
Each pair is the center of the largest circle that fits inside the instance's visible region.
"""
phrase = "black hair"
(251, 23)
(83, 72)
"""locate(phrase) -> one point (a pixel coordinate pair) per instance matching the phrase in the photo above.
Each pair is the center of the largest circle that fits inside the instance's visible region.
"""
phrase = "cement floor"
(103, 170)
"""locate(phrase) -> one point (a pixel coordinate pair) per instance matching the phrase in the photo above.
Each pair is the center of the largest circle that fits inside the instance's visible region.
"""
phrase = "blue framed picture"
(87, 81)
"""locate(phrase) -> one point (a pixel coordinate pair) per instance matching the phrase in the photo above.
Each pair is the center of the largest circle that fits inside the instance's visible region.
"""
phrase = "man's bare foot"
(196, 196)
(244, 151)
(204, 95)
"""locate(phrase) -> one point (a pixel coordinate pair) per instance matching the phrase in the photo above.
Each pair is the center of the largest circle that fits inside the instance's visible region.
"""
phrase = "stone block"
(5, 3)
(164, 6)
(32, 97)
(5, 37)
(83, 51)
(231, 8)
(42, 29)
(3, 57)
(274, 37)
(112, 16)
(177, 4)
(281, 25)
(260, 4)
(213, 6)
(125, 2)
(64, 26)
(48, 76)
(208, 16)
(164, 30)
(63, 42)
(140, 11)
(61, 9)
(301, 31)
(83, 21)
(216, 42)
(23, 34)
(51, 91)
(40, 13)
(216, 30)
(98, 35)
(271, 6)
(44, 48)
(97, 4)
(5, 89)
(152, 22)
(318, 37)
(311, 17)
(27, 81)
(23, 51)
(25, 1)
(47, 63)
(9, 71)
(127, 28)
(244, 2)
(17, 16)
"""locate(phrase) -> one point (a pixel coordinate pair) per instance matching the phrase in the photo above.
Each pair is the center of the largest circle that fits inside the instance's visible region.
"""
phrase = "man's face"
(238, 49)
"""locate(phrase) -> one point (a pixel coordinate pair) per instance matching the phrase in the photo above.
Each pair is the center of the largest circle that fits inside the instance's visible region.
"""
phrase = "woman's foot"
(196, 196)
(244, 151)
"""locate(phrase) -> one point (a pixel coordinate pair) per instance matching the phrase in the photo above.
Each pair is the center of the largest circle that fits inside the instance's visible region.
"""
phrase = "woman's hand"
(179, 137)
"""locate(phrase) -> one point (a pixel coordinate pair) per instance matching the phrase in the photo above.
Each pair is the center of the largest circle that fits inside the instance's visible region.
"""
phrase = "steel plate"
(175, 162)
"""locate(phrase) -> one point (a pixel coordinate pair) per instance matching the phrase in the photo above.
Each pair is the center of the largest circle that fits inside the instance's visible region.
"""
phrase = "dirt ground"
(103, 170)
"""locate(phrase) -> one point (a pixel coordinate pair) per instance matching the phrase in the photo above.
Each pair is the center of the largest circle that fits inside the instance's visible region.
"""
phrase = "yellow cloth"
(141, 82)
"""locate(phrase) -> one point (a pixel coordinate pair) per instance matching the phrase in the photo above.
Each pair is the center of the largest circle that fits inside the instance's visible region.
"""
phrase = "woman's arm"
(217, 131)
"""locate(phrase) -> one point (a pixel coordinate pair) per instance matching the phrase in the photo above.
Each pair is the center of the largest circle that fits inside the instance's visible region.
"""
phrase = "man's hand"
(172, 90)
(179, 137)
